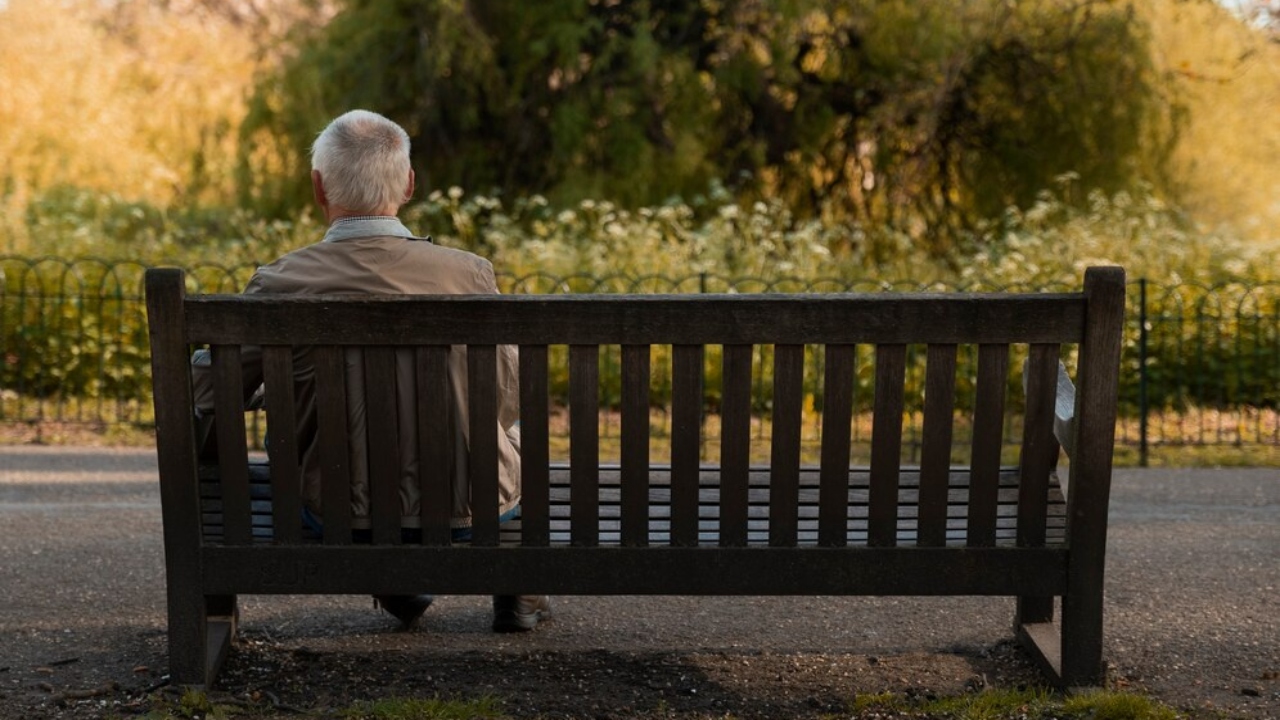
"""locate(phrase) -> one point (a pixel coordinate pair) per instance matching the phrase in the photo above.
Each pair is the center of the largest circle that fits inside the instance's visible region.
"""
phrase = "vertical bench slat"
(935, 461)
(584, 444)
(735, 444)
(233, 455)
(886, 445)
(1039, 448)
(535, 484)
(482, 456)
(1037, 456)
(686, 441)
(534, 449)
(988, 436)
(784, 461)
(383, 438)
(837, 415)
(436, 464)
(635, 445)
(331, 416)
(282, 444)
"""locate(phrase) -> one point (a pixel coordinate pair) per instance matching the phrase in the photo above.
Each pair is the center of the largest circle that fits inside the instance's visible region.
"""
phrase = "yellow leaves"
(118, 101)
(1228, 76)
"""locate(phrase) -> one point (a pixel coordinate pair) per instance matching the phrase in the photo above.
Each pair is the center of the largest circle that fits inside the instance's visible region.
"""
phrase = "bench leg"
(1070, 656)
(188, 621)
(1082, 640)
(1033, 626)
(221, 624)
(201, 629)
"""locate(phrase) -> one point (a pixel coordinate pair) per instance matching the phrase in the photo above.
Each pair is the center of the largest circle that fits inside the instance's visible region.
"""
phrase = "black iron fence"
(1201, 364)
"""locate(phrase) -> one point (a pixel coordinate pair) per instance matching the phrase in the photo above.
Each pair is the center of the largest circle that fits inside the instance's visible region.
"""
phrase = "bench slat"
(635, 444)
(233, 454)
(436, 466)
(935, 459)
(534, 444)
(837, 416)
(482, 460)
(988, 430)
(784, 459)
(686, 436)
(735, 444)
(796, 319)
(886, 442)
(1038, 455)
(383, 443)
(282, 442)
(584, 439)
(594, 571)
(335, 471)
(1039, 450)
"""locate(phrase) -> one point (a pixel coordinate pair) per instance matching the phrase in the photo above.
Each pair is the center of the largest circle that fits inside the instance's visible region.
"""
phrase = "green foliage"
(1042, 109)
(899, 114)
(1212, 335)
(68, 221)
(75, 329)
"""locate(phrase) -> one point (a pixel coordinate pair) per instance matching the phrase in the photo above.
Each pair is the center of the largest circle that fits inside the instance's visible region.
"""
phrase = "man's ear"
(317, 189)
(408, 193)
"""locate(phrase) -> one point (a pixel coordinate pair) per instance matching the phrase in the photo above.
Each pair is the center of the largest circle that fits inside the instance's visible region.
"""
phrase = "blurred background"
(644, 146)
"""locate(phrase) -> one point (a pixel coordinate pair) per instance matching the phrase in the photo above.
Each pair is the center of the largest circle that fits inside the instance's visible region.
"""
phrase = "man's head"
(360, 166)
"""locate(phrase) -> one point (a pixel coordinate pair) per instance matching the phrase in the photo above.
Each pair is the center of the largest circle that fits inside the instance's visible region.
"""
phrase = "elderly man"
(361, 178)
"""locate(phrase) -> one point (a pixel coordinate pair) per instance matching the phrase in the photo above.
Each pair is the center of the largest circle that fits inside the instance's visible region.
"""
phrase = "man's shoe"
(519, 613)
(406, 608)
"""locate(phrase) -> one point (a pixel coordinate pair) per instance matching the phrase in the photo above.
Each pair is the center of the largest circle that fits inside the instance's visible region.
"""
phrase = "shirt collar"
(350, 228)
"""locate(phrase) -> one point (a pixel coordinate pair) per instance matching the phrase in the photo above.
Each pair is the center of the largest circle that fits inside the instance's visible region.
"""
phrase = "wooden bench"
(683, 526)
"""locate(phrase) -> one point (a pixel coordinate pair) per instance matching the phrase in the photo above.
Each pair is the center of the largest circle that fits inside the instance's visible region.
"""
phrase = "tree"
(893, 112)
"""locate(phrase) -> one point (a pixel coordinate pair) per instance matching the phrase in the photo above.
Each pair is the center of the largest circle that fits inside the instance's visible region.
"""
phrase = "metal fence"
(1201, 364)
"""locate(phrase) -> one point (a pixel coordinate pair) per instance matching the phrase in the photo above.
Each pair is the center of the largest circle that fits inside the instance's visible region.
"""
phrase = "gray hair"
(363, 159)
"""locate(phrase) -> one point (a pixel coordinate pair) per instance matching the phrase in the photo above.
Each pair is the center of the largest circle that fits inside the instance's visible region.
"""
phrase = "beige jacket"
(391, 263)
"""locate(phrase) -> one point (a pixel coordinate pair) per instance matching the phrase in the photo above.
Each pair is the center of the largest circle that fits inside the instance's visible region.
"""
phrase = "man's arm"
(202, 379)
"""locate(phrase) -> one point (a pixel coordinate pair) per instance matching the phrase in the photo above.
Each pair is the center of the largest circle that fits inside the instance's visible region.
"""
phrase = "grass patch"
(1020, 704)
(991, 705)
(1109, 705)
(425, 709)
(190, 705)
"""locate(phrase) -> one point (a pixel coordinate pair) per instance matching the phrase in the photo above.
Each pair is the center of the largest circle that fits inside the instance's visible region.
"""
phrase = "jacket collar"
(351, 228)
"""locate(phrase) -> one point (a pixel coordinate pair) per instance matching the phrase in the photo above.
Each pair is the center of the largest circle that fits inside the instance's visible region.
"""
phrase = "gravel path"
(1193, 612)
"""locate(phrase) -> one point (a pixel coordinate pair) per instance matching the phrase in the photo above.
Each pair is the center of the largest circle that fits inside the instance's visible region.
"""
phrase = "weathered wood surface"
(658, 510)
(639, 526)
(887, 318)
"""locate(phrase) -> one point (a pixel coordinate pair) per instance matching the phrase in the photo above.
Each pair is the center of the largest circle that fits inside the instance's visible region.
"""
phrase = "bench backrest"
(837, 324)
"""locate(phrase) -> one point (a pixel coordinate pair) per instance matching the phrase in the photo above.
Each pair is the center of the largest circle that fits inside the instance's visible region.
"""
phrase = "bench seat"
(1003, 534)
